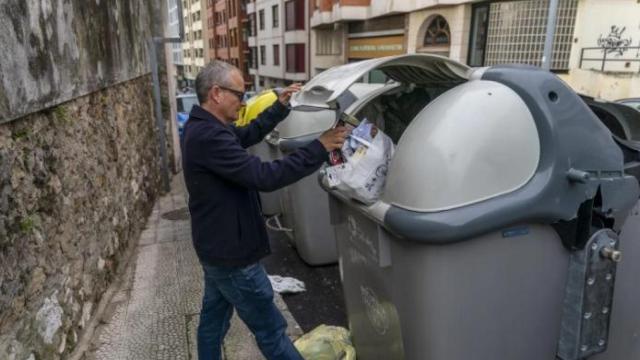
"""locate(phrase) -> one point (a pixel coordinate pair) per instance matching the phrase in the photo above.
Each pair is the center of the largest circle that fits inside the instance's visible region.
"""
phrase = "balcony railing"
(618, 59)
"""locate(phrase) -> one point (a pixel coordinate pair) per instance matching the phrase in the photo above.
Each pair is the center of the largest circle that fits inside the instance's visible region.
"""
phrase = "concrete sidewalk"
(154, 313)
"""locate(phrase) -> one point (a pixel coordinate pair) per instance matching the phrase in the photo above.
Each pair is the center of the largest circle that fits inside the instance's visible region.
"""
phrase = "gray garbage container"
(624, 123)
(497, 234)
(270, 201)
(305, 206)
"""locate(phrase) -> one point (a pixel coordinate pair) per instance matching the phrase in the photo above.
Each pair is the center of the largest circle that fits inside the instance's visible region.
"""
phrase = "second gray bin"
(305, 206)
(270, 201)
(495, 233)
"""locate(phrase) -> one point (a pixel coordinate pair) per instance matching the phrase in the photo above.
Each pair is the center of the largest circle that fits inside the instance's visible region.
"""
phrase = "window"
(276, 55)
(434, 36)
(437, 33)
(232, 8)
(253, 58)
(516, 33)
(274, 16)
(478, 40)
(294, 15)
(295, 58)
(252, 25)
(261, 19)
(327, 43)
(263, 55)
(245, 34)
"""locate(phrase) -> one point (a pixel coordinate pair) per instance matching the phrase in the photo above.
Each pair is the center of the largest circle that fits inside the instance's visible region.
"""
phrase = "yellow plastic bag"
(326, 343)
(255, 106)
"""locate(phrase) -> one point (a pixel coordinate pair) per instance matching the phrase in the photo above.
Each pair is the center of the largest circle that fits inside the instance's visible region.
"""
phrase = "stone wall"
(77, 182)
(57, 50)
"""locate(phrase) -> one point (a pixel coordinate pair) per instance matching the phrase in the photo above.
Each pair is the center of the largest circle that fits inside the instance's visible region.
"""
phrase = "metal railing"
(628, 55)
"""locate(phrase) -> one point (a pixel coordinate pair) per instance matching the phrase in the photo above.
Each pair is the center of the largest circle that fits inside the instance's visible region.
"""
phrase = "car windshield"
(186, 103)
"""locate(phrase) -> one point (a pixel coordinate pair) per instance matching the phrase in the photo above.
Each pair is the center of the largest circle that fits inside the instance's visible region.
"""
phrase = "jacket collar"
(200, 113)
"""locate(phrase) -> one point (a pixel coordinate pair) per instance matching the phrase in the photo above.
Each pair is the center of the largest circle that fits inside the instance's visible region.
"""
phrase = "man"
(228, 230)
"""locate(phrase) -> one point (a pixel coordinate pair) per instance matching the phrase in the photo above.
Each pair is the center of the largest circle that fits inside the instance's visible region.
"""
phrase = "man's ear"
(214, 94)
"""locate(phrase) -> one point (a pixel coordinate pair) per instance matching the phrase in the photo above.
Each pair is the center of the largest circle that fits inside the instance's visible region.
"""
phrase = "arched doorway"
(434, 36)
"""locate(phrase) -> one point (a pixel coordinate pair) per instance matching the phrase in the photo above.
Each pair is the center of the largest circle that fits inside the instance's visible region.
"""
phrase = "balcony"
(354, 10)
(338, 14)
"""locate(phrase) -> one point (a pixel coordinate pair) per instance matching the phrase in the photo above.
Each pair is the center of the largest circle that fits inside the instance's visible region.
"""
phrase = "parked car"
(633, 102)
(185, 102)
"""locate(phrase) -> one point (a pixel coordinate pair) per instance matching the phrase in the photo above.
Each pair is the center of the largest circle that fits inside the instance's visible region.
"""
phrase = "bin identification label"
(516, 231)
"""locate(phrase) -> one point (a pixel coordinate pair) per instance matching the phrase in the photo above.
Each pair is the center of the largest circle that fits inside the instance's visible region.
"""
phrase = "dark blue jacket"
(223, 181)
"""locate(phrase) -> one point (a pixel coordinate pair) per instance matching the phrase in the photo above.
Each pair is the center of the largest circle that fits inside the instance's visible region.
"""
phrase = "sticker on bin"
(516, 231)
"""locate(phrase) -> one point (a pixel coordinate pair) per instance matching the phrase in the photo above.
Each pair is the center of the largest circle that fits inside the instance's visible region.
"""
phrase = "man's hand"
(333, 139)
(286, 93)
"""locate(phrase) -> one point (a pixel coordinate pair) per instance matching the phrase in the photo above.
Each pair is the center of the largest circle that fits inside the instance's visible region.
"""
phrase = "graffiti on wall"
(615, 42)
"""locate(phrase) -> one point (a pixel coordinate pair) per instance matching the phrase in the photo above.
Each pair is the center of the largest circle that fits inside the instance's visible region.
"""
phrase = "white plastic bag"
(364, 174)
(369, 174)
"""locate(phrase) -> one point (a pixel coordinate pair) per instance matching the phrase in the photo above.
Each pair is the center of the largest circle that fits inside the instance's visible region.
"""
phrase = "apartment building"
(596, 48)
(195, 45)
(227, 34)
(278, 37)
(173, 26)
(353, 30)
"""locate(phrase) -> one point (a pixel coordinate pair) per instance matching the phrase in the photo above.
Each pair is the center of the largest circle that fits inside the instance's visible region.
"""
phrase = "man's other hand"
(333, 139)
(286, 93)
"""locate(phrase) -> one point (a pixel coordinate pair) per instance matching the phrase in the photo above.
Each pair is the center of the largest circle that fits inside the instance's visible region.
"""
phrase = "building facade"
(491, 32)
(173, 27)
(227, 34)
(195, 45)
(353, 30)
(278, 37)
(605, 56)
(595, 48)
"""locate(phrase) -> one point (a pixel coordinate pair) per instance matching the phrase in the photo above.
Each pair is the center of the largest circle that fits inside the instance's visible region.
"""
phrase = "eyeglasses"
(239, 94)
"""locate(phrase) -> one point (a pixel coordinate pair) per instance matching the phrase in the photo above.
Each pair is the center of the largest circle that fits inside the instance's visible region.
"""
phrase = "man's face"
(230, 100)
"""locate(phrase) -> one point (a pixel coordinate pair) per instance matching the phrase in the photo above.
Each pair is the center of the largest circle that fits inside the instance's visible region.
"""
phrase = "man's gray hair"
(214, 73)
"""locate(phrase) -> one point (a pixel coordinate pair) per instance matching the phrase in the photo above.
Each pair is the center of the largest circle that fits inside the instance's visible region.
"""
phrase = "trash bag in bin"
(366, 155)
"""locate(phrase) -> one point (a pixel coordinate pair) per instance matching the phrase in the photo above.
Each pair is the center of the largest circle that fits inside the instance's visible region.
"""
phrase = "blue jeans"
(248, 290)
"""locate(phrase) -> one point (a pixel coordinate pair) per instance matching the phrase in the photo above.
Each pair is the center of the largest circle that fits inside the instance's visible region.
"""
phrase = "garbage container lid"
(302, 122)
(325, 88)
(476, 141)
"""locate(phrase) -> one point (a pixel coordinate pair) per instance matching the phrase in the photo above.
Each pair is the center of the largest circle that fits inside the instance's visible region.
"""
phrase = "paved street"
(154, 314)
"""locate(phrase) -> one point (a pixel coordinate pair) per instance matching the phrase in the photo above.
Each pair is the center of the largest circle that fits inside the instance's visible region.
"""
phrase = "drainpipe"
(551, 31)
(156, 43)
